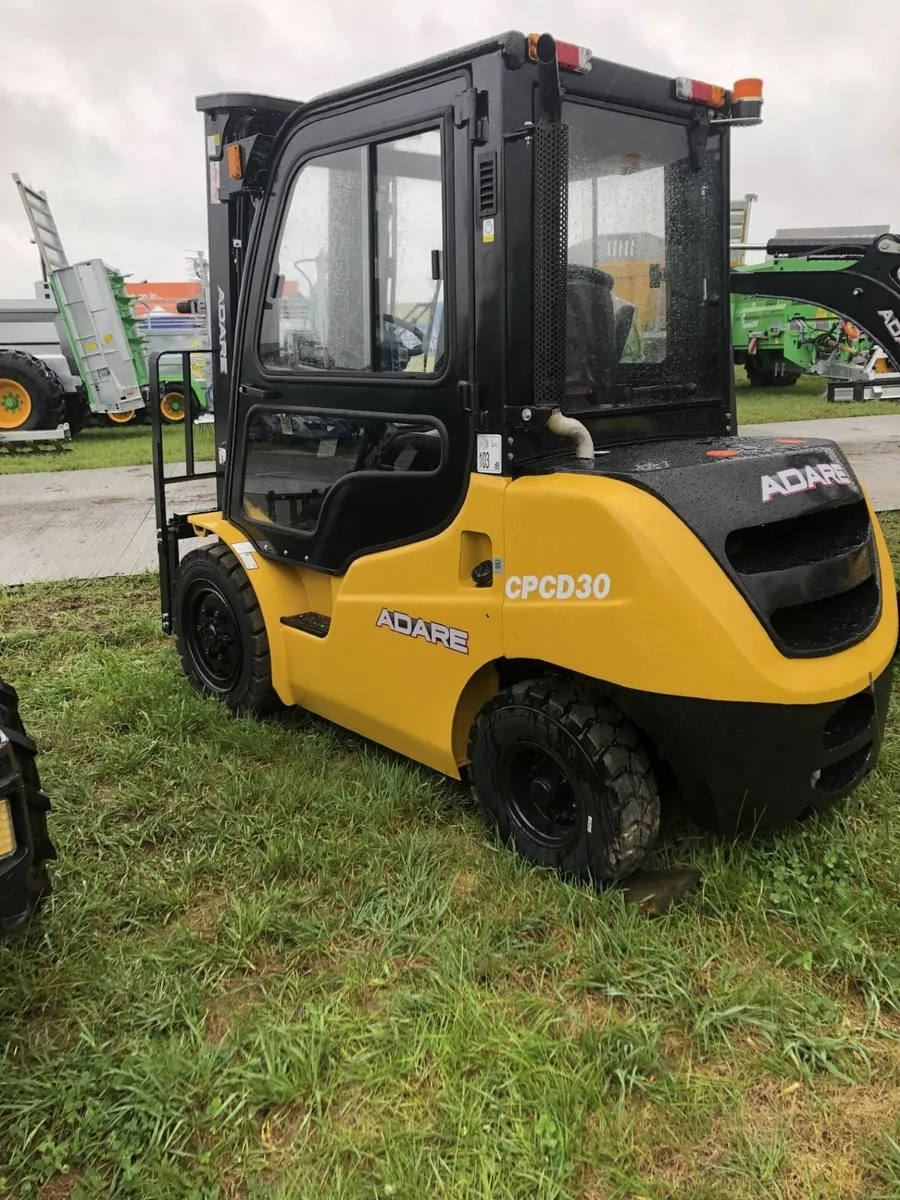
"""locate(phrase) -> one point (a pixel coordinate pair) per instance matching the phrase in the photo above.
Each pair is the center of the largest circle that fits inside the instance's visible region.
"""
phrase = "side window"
(320, 315)
(293, 460)
(345, 299)
(409, 234)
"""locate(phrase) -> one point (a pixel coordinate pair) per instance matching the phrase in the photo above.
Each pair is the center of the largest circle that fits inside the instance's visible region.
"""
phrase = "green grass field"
(131, 447)
(282, 962)
(806, 400)
(109, 447)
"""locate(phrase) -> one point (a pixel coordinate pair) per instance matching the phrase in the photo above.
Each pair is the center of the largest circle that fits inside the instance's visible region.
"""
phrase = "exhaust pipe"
(548, 78)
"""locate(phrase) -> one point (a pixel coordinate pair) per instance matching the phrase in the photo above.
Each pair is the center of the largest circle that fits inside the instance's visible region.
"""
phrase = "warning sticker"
(487, 229)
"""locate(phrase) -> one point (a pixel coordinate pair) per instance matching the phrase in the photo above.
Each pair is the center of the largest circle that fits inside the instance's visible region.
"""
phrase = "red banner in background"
(161, 297)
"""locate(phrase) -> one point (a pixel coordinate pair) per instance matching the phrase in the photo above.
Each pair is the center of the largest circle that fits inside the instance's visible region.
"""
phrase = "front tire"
(220, 632)
(31, 396)
(16, 910)
(562, 775)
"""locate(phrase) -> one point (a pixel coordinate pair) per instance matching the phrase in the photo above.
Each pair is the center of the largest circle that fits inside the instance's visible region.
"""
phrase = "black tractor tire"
(16, 910)
(176, 389)
(786, 380)
(77, 412)
(44, 391)
(220, 632)
(561, 773)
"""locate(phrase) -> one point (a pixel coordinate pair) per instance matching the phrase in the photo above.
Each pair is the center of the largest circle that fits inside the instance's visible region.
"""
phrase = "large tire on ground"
(22, 887)
(77, 412)
(31, 397)
(172, 406)
(120, 420)
(562, 775)
(220, 632)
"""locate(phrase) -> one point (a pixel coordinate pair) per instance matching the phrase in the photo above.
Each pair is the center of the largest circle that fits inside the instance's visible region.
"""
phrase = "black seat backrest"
(596, 329)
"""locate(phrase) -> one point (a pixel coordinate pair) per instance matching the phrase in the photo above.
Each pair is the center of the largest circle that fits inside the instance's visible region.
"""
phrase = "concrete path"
(70, 524)
(78, 524)
(872, 444)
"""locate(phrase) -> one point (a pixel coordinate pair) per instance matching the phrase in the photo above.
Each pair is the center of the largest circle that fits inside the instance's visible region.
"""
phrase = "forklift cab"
(480, 492)
(352, 427)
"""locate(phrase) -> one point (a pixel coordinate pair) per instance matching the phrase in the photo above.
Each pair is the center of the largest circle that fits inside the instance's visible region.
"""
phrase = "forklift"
(473, 505)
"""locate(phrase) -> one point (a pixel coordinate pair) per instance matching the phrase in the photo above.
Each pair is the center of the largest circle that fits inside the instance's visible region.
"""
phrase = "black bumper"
(741, 766)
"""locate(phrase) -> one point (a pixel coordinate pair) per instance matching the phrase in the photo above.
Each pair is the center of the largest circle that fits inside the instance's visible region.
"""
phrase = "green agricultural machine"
(77, 351)
(778, 340)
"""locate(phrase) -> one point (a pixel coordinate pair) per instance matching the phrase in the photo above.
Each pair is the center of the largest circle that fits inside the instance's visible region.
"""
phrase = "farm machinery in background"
(79, 350)
(777, 340)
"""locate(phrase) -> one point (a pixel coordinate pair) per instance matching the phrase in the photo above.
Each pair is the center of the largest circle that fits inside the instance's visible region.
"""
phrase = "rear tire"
(77, 412)
(562, 775)
(220, 632)
(123, 420)
(31, 397)
(172, 407)
(17, 910)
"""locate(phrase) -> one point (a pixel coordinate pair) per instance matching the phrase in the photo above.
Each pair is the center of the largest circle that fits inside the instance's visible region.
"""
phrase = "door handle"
(256, 393)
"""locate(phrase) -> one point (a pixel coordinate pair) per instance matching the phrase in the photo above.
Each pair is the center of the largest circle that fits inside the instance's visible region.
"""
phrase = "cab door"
(351, 424)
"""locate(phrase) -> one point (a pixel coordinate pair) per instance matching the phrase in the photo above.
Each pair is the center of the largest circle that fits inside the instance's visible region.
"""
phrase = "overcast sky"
(97, 99)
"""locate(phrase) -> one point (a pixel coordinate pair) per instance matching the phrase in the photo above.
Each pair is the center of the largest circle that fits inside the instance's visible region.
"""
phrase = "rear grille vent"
(798, 541)
(487, 185)
(852, 719)
(826, 626)
(813, 579)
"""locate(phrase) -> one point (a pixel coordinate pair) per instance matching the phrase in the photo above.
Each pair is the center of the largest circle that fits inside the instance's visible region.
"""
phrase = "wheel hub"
(216, 639)
(15, 404)
(541, 793)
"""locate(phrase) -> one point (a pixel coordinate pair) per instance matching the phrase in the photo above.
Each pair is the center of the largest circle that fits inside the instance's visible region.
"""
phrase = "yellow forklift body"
(641, 604)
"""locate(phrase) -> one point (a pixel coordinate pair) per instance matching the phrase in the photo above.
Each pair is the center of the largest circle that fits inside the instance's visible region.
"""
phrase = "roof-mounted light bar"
(741, 106)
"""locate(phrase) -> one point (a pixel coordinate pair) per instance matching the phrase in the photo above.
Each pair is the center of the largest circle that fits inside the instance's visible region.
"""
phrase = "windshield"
(645, 264)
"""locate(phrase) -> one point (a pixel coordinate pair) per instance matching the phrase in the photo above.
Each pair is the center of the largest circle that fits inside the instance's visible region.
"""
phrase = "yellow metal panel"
(672, 621)
(398, 690)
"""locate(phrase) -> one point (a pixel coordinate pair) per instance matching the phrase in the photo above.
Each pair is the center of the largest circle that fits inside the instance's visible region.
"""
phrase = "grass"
(108, 447)
(806, 400)
(282, 962)
(127, 447)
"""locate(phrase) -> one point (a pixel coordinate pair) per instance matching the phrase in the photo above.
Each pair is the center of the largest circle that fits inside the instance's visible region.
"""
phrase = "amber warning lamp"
(747, 102)
(741, 106)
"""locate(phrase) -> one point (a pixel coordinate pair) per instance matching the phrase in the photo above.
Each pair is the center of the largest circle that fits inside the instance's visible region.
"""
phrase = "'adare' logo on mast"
(223, 335)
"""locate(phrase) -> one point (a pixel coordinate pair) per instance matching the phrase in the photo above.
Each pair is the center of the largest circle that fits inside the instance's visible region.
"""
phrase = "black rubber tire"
(37, 883)
(77, 412)
(214, 599)
(47, 399)
(609, 783)
(166, 390)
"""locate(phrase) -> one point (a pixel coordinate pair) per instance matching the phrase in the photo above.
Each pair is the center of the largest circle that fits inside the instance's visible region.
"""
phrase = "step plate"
(309, 622)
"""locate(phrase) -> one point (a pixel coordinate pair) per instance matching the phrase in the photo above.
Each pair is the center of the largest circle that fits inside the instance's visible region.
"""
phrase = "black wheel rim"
(213, 636)
(540, 792)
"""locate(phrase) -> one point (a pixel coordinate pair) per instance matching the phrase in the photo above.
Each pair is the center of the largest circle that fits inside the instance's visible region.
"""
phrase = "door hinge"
(466, 395)
(471, 108)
